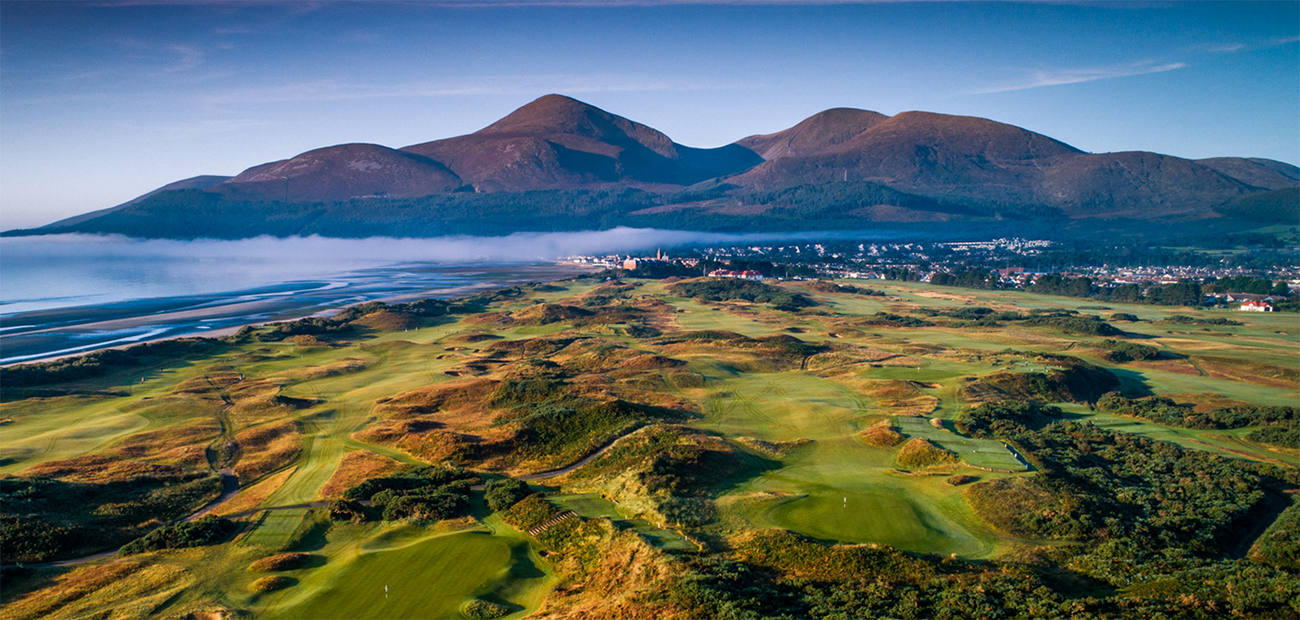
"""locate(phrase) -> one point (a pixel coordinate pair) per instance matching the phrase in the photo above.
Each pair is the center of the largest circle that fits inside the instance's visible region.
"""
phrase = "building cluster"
(918, 261)
(1027, 247)
(743, 275)
(629, 262)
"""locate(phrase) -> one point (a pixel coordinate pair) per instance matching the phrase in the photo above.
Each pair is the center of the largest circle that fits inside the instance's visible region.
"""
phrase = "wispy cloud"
(1041, 78)
(1235, 47)
(332, 90)
(187, 59)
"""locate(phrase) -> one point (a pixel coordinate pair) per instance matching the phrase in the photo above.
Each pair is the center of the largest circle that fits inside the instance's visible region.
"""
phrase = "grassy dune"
(824, 481)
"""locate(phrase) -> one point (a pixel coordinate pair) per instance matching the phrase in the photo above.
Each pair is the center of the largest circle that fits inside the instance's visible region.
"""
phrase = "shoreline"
(124, 325)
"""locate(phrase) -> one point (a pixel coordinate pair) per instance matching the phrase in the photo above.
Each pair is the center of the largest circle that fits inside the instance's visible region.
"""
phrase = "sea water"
(69, 294)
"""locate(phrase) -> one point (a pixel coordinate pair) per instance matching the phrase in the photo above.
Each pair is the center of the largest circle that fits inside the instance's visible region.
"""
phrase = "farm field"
(674, 427)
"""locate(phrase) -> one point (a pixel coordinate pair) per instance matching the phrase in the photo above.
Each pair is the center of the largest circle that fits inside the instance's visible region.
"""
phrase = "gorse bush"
(1165, 411)
(1120, 351)
(44, 519)
(198, 533)
(479, 609)
(733, 289)
(426, 493)
(504, 493)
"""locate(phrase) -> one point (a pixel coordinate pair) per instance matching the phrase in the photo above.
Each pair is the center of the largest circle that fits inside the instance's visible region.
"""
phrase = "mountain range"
(560, 164)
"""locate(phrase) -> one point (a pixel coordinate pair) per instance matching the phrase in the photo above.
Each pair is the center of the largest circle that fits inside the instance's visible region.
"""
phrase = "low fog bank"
(57, 271)
(325, 251)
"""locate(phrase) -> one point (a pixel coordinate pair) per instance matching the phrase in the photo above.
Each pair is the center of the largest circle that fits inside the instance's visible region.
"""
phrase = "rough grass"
(253, 496)
(122, 589)
(881, 436)
(182, 444)
(265, 448)
(356, 466)
(271, 583)
(280, 562)
(918, 453)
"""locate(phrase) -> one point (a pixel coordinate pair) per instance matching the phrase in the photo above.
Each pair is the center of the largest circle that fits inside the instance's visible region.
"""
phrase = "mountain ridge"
(836, 165)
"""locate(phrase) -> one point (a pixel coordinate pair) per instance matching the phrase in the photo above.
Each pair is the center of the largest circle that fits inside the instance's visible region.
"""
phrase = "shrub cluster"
(197, 533)
(889, 319)
(45, 519)
(1074, 323)
(479, 609)
(504, 493)
(426, 493)
(1068, 379)
(1191, 320)
(1121, 351)
(732, 289)
(105, 361)
(1163, 410)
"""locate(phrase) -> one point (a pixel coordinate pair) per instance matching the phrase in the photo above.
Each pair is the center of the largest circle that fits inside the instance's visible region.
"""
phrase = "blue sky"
(103, 101)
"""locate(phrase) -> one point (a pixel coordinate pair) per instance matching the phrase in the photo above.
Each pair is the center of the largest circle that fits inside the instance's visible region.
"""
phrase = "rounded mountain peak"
(964, 134)
(819, 132)
(553, 115)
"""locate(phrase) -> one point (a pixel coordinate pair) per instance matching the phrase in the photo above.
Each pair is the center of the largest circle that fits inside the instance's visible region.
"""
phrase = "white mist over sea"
(59, 271)
(69, 294)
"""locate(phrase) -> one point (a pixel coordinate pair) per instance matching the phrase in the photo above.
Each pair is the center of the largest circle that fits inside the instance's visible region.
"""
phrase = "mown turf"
(59, 428)
(977, 452)
(273, 529)
(424, 578)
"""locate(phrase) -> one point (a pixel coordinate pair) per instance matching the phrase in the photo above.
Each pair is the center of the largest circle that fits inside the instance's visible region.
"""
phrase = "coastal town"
(1010, 263)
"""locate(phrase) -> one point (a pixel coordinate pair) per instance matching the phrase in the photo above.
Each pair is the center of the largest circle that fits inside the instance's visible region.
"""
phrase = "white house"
(1256, 306)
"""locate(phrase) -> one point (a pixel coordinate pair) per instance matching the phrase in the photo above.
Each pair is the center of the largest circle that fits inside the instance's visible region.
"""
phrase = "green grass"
(916, 513)
(421, 577)
(593, 506)
(698, 316)
(659, 537)
(872, 517)
(61, 428)
(587, 505)
(274, 528)
(977, 452)
(430, 573)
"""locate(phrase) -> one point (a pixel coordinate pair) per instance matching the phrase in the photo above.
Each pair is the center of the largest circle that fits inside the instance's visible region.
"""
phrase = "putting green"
(977, 452)
(863, 516)
(428, 578)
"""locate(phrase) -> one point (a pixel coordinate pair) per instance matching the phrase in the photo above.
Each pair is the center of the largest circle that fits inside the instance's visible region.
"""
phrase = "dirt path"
(229, 487)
